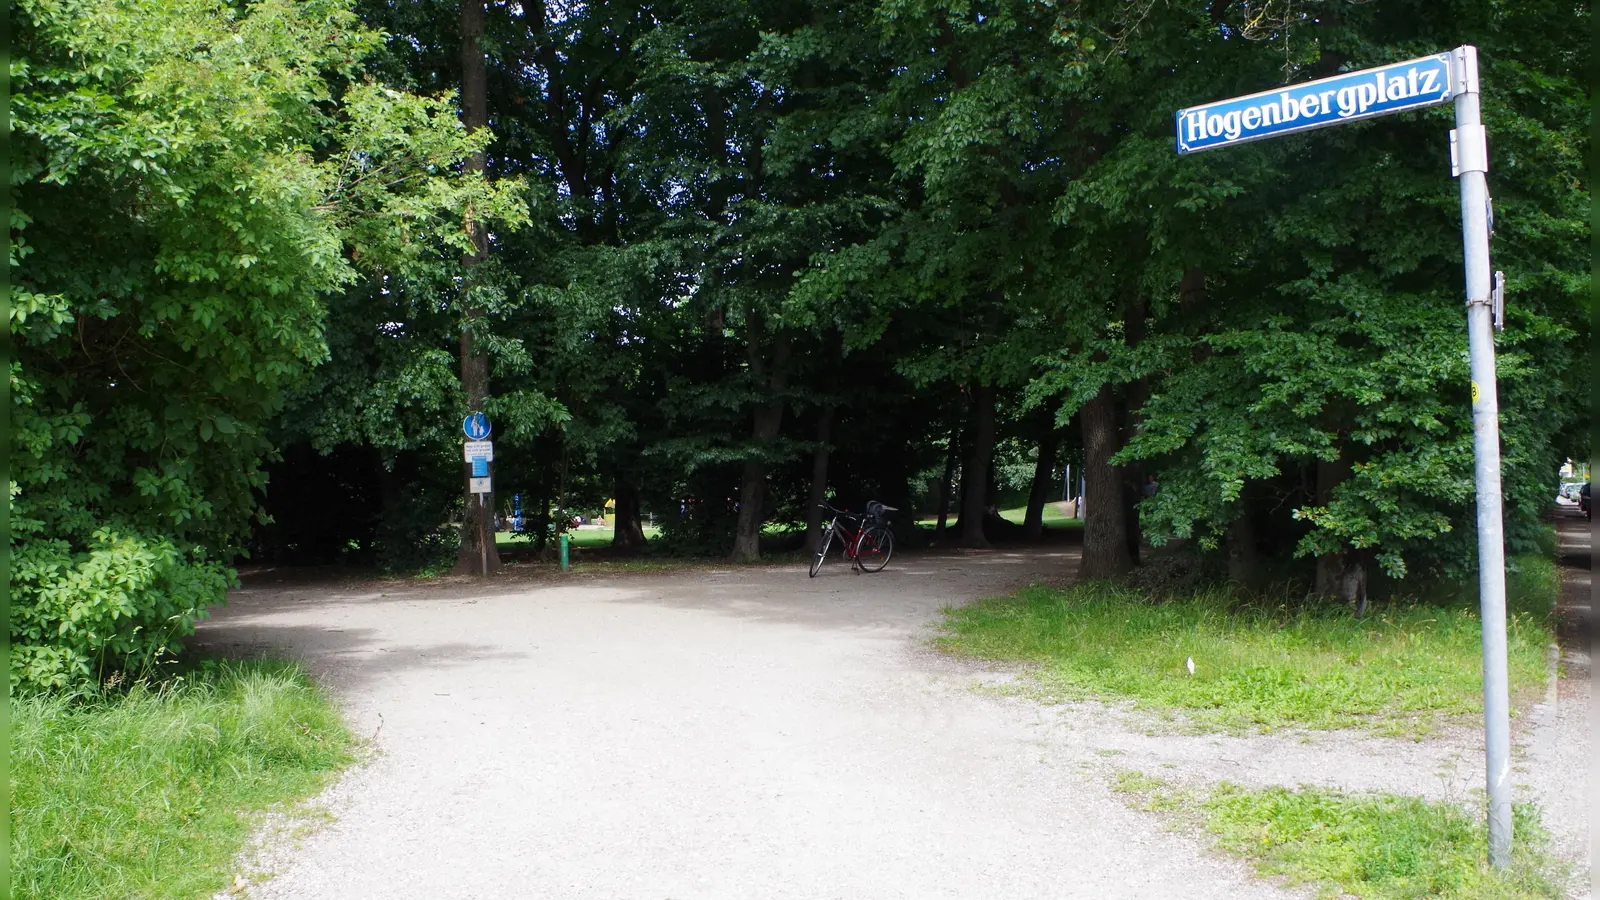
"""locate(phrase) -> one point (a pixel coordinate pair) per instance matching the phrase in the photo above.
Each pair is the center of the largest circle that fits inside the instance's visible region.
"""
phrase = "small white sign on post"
(481, 486)
(483, 449)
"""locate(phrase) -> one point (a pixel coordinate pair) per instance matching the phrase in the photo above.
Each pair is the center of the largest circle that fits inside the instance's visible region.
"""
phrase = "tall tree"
(479, 549)
(230, 194)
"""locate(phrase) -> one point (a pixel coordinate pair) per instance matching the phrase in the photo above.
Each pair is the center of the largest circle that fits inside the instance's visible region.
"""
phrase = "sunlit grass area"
(152, 792)
(1382, 847)
(1403, 668)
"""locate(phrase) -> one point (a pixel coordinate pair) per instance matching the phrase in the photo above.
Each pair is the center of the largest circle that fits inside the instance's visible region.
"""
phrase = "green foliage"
(192, 181)
(150, 792)
(125, 602)
(715, 227)
(1330, 325)
(1405, 669)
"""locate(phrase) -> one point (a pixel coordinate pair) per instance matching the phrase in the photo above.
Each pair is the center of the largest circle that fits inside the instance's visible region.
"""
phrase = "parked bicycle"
(868, 545)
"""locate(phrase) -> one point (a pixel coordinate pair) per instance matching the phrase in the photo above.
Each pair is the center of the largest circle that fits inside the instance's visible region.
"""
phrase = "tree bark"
(1340, 575)
(1133, 477)
(753, 486)
(975, 474)
(769, 375)
(541, 518)
(1244, 561)
(478, 550)
(629, 533)
(1043, 474)
(819, 479)
(1105, 537)
(950, 458)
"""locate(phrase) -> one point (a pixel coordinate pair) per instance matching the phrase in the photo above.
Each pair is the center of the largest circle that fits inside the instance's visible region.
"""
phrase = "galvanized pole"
(1470, 159)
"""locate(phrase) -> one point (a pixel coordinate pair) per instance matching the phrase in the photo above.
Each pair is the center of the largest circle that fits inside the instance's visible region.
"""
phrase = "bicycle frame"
(858, 538)
(852, 539)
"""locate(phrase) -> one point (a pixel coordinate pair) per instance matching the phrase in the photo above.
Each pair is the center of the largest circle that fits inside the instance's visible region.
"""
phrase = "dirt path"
(1559, 742)
(729, 733)
(714, 734)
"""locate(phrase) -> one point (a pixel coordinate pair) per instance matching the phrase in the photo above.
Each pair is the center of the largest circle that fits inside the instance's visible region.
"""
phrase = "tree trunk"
(769, 374)
(819, 480)
(753, 486)
(1340, 575)
(629, 528)
(950, 457)
(975, 474)
(541, 518)
(1244, 561)
(1043, 479)
(1133, 477)
(1105, 537)
(478, 550)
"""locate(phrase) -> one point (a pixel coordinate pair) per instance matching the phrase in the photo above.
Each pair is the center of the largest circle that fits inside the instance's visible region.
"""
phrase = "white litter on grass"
(1191, 665)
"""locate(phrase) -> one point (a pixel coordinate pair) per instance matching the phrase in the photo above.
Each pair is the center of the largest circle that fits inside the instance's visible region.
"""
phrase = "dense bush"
(193, 180)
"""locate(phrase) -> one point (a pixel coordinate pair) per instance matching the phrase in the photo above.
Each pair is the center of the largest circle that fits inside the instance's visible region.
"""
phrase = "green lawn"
(149, 794)
(1054, 517)
(1370, 846)
(589, 537)
(1402, 669)
(583, 537)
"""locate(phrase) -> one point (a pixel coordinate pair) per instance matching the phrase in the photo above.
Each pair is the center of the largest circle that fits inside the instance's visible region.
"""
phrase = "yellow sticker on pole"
(1474, 392)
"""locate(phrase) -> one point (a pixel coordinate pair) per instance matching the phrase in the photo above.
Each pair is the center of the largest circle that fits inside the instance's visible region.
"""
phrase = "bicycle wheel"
(822, 552)
(874, 548)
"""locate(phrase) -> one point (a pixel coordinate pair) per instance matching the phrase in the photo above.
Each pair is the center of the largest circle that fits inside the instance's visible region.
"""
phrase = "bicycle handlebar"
(845, 512)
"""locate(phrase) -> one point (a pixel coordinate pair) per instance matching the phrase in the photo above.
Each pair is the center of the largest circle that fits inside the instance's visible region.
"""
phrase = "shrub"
(122, 604)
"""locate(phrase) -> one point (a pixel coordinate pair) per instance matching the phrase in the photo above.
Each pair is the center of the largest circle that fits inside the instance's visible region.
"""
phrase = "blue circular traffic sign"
(476, 426)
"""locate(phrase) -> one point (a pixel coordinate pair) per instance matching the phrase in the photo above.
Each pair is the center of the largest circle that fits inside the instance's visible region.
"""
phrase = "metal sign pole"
(1470, 158)
(483, 541)
(1414, 84)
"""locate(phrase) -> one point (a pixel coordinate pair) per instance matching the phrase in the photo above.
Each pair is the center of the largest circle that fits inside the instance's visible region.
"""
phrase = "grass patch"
(579, 539)
(151, 792)
(1371, 846)
(1403, 669)
(1054, 517)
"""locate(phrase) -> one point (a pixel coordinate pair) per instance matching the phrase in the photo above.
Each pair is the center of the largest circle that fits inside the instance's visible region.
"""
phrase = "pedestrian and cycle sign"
(476, 426)
(1332, 101)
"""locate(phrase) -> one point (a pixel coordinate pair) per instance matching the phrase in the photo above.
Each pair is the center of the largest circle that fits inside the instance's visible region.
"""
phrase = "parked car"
(1584, 503)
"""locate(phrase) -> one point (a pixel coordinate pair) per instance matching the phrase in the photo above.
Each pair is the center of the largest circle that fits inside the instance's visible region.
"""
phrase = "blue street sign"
(480, 467)
(1331, 101)
(476, 426)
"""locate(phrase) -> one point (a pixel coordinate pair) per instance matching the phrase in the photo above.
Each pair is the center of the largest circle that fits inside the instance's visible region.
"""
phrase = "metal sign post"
(479, 452)
(1416, 83)
(1470, 159)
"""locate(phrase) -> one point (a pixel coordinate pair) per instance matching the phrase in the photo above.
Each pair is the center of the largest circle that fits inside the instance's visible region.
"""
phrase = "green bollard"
(565, 540)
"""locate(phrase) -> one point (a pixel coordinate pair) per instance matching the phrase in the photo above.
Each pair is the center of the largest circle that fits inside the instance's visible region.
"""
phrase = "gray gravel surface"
(749, 732)
(732, 733)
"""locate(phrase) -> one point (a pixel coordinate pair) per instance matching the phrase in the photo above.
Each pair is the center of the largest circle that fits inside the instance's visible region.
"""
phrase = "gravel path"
(731, 733)
(713, 734)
